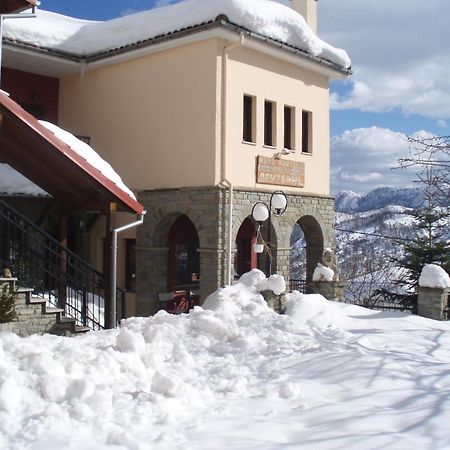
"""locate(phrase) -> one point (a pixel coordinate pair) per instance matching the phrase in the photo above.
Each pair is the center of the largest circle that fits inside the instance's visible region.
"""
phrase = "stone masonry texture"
(207, 208)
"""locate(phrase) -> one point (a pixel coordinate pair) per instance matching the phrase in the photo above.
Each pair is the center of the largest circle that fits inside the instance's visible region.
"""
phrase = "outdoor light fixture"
(260, 213)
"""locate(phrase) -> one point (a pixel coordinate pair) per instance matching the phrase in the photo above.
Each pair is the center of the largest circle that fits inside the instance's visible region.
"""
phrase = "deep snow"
(233, 375)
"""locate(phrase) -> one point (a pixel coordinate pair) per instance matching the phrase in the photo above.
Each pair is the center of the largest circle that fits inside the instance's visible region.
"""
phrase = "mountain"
(351, 202)
(347, 201)
(369, 234)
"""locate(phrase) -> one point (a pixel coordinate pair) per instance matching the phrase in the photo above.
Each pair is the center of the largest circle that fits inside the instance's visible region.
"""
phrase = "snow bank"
(83, 37)
(434, 276)
(233, 374)
(89, 154)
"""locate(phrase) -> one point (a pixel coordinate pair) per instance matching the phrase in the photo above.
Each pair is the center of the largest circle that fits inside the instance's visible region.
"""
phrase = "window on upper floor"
(289, 129)
(249, 119)
(306, 132)
(270, 123)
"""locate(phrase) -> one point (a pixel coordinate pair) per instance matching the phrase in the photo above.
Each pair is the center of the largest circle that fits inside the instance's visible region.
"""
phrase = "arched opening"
(246, 258)
(183, 265)
(306, 249)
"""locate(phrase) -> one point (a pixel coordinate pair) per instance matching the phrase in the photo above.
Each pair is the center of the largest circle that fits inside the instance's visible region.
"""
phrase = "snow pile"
(233, 375)
(89, 154)
(323, 273)
(14, 183)
(81, 37)
(434, 276)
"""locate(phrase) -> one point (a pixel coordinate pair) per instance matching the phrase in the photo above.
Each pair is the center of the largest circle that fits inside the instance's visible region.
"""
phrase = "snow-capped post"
(326, 278)
(433, 293)
(273, 290)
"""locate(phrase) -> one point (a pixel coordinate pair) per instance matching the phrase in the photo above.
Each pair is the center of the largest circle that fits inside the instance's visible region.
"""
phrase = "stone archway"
(246, 258)
(307, 244)
(183, 261)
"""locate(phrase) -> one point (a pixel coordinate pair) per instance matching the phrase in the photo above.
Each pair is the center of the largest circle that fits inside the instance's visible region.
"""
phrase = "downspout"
(115, 232)
(223, 178)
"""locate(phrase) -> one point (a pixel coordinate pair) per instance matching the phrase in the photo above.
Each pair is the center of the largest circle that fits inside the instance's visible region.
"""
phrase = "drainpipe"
(115, 232)
(224, 181)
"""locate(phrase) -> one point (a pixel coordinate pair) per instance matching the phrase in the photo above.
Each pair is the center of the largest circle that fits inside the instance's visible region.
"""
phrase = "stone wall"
(433, 303)
(33, 317)
(207, 208)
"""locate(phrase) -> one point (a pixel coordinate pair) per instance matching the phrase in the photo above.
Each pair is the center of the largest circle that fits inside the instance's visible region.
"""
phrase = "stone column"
(433, 303)
(152, 274)
(331, 290)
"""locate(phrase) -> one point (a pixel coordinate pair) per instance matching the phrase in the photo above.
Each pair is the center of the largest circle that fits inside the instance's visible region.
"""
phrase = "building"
(204, 108)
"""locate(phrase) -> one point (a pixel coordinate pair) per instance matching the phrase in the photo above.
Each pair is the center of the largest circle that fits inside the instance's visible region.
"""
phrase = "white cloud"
(363, 159)
(441, 123)
(399, 52)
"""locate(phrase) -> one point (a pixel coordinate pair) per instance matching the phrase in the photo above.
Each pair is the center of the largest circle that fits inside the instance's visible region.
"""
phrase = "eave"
(70, 63)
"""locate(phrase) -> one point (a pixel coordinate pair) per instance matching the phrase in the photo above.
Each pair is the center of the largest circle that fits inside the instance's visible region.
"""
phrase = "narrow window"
(248, 119)
(306, 132)
(289, 127)
(269, 123)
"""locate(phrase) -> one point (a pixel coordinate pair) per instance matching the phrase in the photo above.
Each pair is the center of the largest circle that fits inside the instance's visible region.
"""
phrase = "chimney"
(308, 9)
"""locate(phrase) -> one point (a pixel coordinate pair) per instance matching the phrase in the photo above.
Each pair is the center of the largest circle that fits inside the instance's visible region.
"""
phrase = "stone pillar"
(433, 303)
(331, 290)
(152, 275)
(283, 257)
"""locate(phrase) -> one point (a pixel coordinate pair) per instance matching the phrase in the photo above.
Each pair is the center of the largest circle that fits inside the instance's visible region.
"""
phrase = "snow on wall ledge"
(83, 37)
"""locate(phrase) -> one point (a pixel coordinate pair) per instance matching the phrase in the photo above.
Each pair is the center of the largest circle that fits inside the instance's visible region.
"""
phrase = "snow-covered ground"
(234, 375)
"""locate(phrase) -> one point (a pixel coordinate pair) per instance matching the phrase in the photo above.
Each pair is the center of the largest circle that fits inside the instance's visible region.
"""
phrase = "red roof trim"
(16, 6)
(118, 194)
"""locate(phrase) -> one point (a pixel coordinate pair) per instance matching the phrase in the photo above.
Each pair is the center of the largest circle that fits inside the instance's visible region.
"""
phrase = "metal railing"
(381, 299)
(298, 285)
(54, 272)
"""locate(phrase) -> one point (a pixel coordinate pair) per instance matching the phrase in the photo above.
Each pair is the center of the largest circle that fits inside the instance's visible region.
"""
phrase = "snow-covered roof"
(84, 38)
(14, 183)
(61, 164)
(89, 154)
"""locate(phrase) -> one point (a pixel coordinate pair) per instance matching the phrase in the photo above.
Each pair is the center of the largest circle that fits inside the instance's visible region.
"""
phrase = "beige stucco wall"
(152, 118)
(266, 78)
(157, 119)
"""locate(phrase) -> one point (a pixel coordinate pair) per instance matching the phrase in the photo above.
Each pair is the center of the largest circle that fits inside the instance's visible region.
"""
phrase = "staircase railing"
(54, 272)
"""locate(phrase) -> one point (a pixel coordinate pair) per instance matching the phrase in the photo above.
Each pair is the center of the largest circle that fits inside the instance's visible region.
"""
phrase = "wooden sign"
(280, 172)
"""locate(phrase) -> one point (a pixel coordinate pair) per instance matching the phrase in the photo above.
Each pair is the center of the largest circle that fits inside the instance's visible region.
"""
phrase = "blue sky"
(400, 84)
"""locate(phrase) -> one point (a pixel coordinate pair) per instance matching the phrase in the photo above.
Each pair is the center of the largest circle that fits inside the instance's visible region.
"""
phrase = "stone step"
(52, 310)
(81, 329)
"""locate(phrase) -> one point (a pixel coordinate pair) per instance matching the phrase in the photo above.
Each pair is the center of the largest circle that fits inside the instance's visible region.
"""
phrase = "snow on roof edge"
(71, 36)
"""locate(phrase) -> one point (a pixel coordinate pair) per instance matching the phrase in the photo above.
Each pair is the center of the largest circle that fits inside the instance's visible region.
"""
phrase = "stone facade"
(207, 208)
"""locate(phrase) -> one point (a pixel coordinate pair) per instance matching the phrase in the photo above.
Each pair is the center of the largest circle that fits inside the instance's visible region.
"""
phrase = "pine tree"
(429, 245)
(7, 304)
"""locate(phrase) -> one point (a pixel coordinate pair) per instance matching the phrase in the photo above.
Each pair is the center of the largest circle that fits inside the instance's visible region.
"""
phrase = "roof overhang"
(16, 6)
(44, 159)
(58, 64)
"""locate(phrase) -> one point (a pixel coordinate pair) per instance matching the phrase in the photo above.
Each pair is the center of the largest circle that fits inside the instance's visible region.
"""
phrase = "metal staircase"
(54, 272)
